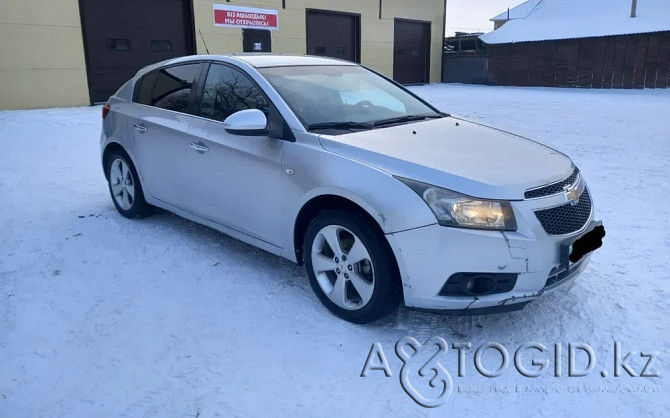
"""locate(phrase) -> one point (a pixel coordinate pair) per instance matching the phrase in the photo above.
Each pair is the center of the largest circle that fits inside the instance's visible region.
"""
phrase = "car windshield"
(338, 97)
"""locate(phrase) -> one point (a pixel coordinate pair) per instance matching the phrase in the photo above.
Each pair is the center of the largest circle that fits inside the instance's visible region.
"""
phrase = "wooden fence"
(612, 62)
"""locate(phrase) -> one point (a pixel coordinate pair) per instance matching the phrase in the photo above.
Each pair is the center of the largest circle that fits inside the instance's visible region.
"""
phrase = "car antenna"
(203, 41)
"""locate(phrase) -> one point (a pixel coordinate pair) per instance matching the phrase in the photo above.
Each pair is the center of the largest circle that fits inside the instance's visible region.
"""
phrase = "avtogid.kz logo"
(441, 378)
(425, 363)
(414, 363)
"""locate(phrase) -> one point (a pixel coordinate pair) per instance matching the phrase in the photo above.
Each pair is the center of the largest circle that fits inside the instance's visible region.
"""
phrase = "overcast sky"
(474, 15)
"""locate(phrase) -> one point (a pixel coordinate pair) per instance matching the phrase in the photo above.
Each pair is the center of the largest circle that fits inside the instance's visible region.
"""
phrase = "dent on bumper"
(428, 256)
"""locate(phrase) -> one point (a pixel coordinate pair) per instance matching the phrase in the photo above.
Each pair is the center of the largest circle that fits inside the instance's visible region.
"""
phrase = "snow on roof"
(567, 19)
(518, 12)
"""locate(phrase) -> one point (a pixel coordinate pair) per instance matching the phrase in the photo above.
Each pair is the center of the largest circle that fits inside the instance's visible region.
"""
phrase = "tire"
(365, 286)
(124, 186)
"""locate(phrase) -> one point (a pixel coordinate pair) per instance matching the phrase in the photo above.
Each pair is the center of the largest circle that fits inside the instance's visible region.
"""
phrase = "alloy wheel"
(343, 267)
(122, 184)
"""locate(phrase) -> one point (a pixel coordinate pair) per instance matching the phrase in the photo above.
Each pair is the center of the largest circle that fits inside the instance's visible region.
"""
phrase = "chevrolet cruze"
(381, 196)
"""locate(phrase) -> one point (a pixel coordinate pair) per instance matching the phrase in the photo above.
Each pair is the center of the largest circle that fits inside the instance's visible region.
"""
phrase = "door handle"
(199, 147)
(140, 128)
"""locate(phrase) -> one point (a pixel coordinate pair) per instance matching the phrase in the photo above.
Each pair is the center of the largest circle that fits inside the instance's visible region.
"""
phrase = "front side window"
(228, 90)
(331, 94)
(172, 89)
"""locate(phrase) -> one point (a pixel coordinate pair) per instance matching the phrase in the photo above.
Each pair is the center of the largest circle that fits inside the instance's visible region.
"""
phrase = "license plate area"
(574, 250)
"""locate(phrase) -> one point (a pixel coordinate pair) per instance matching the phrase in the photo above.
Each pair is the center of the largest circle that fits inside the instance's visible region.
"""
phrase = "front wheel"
(351, 267)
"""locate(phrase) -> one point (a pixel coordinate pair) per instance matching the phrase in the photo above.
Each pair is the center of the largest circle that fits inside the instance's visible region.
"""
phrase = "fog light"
(478, 284)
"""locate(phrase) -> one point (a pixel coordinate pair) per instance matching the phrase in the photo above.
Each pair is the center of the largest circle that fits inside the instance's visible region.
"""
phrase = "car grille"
(566, 219)
(553, 188)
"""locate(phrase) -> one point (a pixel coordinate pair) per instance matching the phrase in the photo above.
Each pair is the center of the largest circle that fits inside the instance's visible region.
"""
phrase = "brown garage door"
(333, 34)
(122, 36)
(411, 51)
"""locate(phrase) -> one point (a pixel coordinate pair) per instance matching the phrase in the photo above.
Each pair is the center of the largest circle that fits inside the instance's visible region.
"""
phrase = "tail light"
(105, 110)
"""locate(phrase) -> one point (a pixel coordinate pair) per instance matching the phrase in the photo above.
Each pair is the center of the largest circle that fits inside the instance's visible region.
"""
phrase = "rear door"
(235, 180)
(166, 100)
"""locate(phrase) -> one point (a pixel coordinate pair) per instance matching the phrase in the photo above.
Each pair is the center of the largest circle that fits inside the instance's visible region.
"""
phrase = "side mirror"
(248, 122)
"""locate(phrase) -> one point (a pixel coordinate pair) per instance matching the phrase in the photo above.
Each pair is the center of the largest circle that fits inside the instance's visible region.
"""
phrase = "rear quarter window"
(145, 87)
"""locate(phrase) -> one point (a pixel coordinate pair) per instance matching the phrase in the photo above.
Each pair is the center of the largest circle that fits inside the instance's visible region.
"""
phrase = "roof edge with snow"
(571, 19)
(516, 12)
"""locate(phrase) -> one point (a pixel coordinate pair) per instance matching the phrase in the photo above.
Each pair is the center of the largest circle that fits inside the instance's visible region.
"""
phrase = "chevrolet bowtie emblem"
(572, 195)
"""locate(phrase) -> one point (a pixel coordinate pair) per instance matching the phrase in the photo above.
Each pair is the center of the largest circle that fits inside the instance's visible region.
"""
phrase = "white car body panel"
(475, 160)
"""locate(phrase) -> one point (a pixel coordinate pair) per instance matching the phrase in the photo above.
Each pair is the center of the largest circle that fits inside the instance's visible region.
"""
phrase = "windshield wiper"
(404, 119)
(340, 125)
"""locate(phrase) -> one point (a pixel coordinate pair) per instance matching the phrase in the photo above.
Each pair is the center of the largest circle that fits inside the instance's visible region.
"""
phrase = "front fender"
(394, 206)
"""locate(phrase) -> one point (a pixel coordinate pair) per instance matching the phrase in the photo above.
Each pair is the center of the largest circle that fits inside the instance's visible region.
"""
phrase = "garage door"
(336, 35)
(122, 36)
(411, 51)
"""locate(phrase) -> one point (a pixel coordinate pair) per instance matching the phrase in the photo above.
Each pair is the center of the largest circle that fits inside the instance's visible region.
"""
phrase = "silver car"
(381, 196)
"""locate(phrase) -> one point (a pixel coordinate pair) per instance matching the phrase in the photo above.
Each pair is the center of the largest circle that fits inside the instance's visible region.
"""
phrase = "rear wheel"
(125, 187)
(351, 267)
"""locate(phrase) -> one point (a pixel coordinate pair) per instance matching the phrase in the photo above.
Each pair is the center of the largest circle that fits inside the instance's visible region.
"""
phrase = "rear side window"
(172, 87)
(228, 90)
(146, 87)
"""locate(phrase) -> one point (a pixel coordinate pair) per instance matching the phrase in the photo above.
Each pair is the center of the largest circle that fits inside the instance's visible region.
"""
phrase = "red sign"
(245, 17)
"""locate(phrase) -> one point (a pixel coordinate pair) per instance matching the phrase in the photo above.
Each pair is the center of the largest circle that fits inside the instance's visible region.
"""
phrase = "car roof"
(256, 60)
(282, 60)
(260, 60)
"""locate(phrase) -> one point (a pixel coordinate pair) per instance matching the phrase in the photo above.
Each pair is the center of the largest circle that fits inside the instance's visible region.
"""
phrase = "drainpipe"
(633, 9)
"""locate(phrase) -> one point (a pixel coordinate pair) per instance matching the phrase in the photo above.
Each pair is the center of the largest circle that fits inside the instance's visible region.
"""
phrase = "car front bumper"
(428, 256)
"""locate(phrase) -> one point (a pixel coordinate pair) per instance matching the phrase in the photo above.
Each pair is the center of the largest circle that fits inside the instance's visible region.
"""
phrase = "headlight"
(454, 209)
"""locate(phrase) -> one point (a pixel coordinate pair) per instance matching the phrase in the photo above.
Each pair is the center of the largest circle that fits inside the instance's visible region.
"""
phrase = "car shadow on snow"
(554, 311)
(220, 248)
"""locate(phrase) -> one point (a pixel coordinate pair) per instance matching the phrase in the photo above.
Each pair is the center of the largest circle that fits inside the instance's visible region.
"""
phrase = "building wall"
(376, 34)
(611, 62)
(42, 60)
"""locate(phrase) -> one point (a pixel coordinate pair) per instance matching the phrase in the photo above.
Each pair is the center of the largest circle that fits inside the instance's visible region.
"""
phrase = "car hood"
(456, 154)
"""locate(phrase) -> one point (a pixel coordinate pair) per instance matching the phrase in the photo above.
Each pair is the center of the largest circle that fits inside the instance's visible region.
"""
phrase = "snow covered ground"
(103, 316)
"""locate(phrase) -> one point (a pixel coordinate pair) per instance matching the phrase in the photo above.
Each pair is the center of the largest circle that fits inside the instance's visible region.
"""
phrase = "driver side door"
(236, 180)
